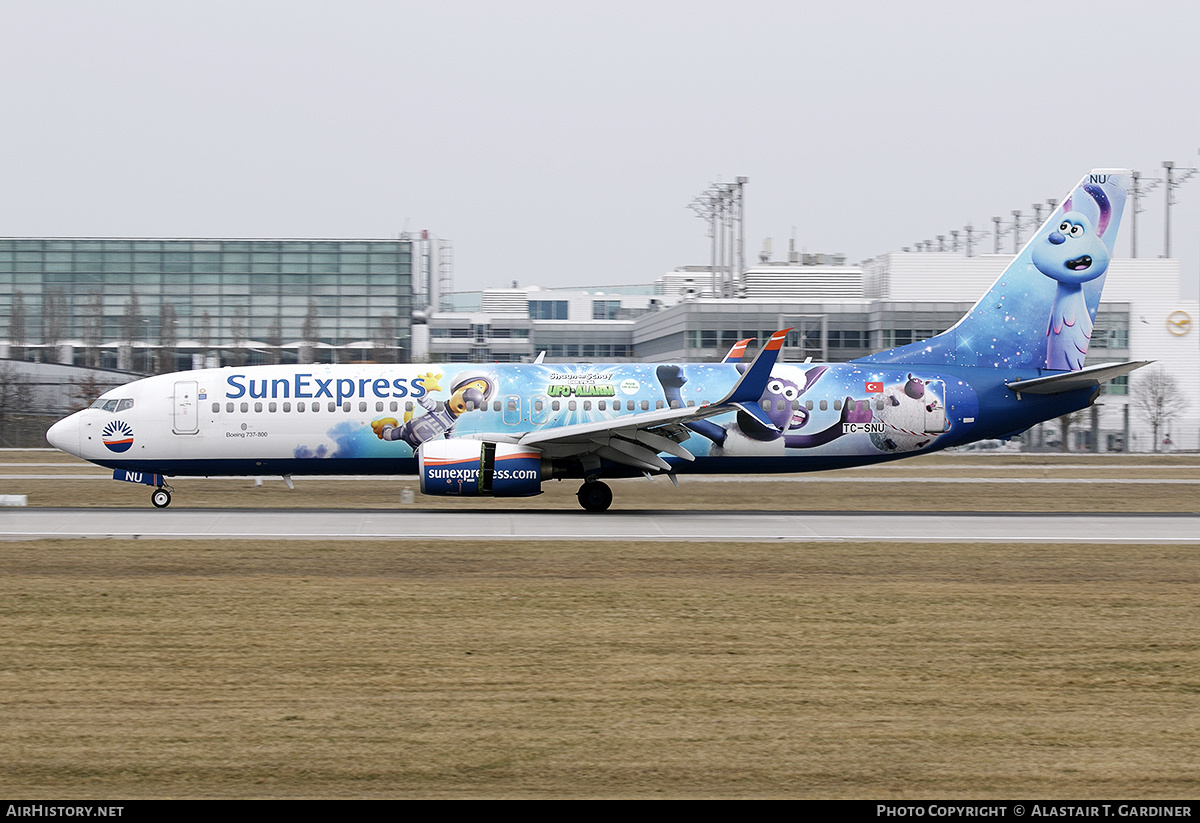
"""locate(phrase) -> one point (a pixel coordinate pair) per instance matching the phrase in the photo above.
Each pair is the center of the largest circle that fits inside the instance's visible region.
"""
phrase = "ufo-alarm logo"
(117, 436)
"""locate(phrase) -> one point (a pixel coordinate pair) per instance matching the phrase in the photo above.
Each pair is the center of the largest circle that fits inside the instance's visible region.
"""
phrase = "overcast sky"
(559, 143)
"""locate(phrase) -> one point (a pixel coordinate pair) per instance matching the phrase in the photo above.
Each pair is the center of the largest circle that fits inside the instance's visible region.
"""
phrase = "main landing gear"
(595, 496)
(161, 497)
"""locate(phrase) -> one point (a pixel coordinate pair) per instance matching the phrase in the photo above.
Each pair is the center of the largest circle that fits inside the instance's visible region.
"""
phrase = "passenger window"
(346, 406)
(379, 406)
(496, 405)
(216, 407)
(824, 405)
(555, 406)
(272, 407)
(332, 406)
(394, 406)
(258, 407)
(512, 405)
(690, 403)
(674, 404)
(645, 405)
(538, 405)
(362, 406)
(879, 403)
(408, 406)
(808, 404)
(602, 406)
(469, 405)
(766, 404)
(245, 408)
(658, 405)
(570, 405)
(229, 408)
(837, 405)
(287, 407)
(587, 405)
(300, 406)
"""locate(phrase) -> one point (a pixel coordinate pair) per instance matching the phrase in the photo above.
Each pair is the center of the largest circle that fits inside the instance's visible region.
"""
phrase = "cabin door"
(935, 407)
(512, 410)
(186, 408)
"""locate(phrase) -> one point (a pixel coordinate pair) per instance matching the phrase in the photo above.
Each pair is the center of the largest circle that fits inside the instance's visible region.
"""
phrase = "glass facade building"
(253, 300)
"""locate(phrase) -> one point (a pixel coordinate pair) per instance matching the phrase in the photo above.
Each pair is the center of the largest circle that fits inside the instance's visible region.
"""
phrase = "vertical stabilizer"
(1039, 313)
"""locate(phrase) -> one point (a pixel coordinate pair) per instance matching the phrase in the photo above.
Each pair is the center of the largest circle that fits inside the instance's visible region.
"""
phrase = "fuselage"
(365, 419)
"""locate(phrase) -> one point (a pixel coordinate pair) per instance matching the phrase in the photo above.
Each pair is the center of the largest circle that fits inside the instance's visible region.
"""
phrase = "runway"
(553, 525)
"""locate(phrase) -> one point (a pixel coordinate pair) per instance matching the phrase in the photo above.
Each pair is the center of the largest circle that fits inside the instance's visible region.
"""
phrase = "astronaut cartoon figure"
(468, 393)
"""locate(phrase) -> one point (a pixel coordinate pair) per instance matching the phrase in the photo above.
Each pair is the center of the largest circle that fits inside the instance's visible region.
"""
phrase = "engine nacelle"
(472, 468)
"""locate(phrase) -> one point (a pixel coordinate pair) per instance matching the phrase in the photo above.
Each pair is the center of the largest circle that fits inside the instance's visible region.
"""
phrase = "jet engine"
(471, 468)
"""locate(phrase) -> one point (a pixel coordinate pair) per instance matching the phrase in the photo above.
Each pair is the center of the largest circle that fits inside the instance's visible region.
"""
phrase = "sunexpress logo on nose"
(117, 436)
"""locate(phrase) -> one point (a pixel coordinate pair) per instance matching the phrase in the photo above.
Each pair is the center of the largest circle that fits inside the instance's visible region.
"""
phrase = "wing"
(636, 440)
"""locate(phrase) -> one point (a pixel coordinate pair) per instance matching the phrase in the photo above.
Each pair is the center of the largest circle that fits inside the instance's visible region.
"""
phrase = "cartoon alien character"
(778, 404)
(909, 413)
(1072, 254)
(469, 392)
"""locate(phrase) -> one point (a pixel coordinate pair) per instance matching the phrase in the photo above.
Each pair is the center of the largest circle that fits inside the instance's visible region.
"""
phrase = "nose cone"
(64, 435)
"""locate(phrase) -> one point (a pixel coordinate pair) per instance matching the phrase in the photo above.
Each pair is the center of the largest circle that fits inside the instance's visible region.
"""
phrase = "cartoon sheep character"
(908, 412)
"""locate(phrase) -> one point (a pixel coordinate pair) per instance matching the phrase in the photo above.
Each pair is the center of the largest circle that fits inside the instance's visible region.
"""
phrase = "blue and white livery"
(1014, 360)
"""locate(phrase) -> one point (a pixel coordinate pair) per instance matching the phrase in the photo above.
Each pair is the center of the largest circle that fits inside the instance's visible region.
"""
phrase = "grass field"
(135, 668)
(233, 669)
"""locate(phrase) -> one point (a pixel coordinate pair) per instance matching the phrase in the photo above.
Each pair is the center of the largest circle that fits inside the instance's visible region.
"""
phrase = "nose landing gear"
(161, 497)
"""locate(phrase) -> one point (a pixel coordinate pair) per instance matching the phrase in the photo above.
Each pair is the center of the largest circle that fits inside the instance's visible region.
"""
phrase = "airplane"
(1014, 360)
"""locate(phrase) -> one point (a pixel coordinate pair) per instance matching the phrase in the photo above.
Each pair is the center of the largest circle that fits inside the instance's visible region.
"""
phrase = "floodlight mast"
(722, 206)
(1173, 183)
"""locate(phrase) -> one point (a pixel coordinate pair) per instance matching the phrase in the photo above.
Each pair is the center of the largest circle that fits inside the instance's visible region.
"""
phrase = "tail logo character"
(1072, 253)
(1039, 312)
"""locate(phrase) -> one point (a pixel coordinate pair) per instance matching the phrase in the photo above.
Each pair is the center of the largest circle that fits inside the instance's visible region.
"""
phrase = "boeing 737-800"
(1014, 360)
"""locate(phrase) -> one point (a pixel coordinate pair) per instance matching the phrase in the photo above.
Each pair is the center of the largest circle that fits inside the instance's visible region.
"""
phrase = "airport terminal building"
(167, 304)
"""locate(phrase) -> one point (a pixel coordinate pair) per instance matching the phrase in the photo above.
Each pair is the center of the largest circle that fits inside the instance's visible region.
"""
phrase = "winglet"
(749, 387)
(736, 351)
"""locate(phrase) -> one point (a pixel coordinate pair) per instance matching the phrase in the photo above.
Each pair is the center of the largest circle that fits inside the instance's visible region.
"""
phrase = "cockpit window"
(109, 404)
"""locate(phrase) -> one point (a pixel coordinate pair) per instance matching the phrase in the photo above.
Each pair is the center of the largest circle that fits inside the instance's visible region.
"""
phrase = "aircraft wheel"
(161, 498)
(595, 496)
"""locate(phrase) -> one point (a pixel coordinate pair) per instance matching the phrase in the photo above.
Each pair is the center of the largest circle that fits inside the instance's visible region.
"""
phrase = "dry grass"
(235, 669)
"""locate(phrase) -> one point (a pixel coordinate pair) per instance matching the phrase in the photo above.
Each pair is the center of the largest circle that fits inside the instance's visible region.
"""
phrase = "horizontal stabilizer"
(1089, 377)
